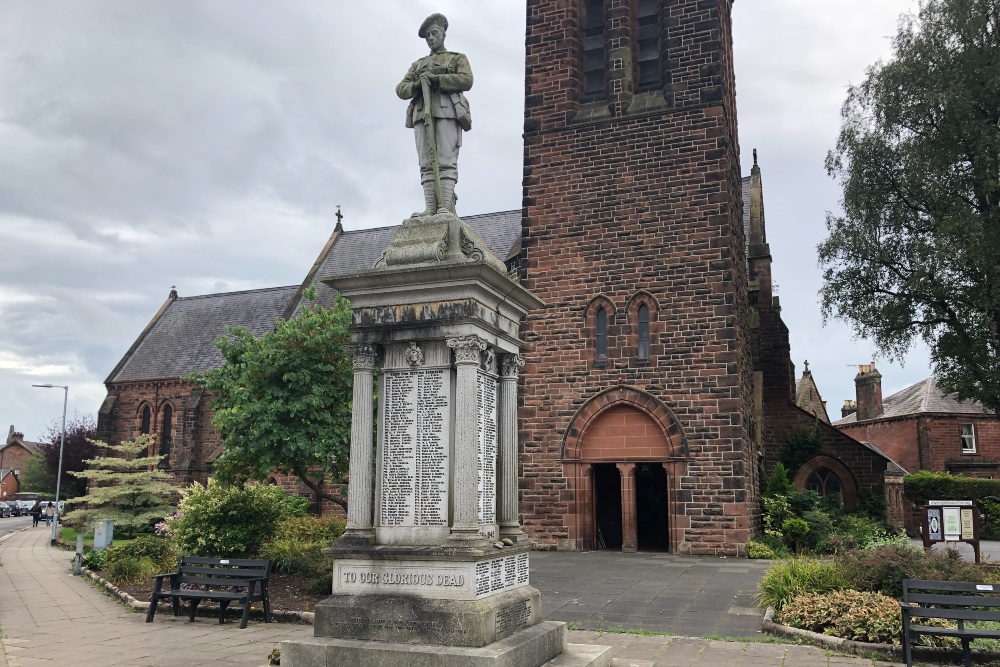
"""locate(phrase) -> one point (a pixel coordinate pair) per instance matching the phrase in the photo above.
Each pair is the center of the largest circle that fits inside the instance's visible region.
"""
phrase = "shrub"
(227, 521)
(162, 553)
(796, 529)
(866, 617)
(882, 570)
(757, 549)
(788, 579)
(864, 530)
(298, 543)
(775, 510)
(93, 560)
(129, 570)
(820, 530)
(778, 484)
(801, 502)
(856, 615)
(991, 517)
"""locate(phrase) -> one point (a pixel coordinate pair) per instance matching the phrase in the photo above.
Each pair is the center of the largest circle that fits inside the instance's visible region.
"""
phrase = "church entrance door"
(651, 507)
(608, 506)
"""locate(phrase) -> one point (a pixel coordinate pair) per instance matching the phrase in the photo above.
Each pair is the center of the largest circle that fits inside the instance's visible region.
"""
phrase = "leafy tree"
(124, 486)
(778, 483)
(34, 477)
(915, 253)
(283, 401)
(78, 448)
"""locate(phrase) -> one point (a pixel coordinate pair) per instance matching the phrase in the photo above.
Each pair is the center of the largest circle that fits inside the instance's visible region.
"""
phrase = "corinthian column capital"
(363, 356)
(468, 349)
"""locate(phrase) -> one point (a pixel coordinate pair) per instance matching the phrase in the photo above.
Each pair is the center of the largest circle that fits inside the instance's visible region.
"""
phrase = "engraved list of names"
(486, 404)
(415, 449)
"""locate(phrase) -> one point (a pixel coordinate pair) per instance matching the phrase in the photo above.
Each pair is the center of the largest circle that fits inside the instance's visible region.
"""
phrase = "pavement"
(49, 617)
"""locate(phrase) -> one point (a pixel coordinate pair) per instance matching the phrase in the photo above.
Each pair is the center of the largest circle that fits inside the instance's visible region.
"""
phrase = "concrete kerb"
(865, 649)
(11, 534)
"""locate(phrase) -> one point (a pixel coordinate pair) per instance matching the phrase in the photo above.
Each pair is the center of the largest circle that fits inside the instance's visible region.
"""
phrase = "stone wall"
(637, 197)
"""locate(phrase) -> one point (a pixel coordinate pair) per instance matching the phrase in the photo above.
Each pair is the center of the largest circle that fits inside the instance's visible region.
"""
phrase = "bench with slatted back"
(222, 580)
(953, 600)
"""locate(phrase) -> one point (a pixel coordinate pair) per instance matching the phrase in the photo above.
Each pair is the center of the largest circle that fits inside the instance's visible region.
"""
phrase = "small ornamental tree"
(125, 486)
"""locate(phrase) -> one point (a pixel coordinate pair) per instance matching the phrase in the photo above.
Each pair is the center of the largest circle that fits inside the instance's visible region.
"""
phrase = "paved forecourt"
(50, 617)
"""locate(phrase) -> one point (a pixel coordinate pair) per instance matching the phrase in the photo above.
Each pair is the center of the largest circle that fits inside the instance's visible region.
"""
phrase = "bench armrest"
(169, 574)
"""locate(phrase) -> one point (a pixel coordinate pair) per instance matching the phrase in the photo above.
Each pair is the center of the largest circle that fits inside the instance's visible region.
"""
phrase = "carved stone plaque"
(415, 449)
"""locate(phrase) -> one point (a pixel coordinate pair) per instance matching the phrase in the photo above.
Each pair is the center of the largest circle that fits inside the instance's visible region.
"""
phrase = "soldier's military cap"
(433, 19)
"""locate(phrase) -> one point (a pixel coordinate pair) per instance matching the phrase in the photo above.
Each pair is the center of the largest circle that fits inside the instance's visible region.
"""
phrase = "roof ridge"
(242, 291)
(925, 400)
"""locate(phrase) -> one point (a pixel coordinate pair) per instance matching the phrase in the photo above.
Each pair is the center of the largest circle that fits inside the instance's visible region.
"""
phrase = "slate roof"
(808, 398)
(32, 447)
(920, 398)
(181, 341)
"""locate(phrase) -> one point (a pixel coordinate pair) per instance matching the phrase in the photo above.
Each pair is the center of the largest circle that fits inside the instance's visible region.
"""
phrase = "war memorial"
(433, 568)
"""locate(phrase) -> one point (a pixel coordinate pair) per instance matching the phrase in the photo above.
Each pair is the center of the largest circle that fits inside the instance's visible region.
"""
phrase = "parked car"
(25, 506)
(5, 509)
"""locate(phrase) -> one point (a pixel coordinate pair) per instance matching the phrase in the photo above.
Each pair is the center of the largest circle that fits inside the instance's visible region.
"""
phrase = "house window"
(147, 419)
(601, 322)
(647, 41)
(643, 333)
(968, 432)
(593, 49)
(166, 435)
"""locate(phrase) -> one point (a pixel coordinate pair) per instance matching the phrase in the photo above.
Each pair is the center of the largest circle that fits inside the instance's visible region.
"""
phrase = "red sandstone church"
(658, 387)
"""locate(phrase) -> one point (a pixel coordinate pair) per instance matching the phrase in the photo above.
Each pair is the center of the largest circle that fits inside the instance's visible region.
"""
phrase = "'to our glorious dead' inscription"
(415, 449)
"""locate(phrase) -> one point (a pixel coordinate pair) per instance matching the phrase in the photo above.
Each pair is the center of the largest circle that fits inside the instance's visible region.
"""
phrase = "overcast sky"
(207, 145)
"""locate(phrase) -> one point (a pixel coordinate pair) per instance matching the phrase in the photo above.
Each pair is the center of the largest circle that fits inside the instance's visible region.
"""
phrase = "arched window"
(593, 49)
(643, 332)
(147, 420)
(166, 434)
(825, 482)
(601, 327)
(647, 43)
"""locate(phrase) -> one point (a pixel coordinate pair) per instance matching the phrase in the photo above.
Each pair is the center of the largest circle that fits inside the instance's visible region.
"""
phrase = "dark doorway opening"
(651, 507)
(608, 506)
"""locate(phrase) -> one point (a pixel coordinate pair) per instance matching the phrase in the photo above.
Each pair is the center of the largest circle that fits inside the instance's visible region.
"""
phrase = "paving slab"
(49, 617)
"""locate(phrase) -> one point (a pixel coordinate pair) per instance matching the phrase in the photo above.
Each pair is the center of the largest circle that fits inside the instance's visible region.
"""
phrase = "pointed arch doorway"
(624, 453)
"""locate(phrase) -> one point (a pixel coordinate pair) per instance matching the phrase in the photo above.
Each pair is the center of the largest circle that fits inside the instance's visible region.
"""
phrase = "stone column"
(465, 519)
(359, 488)
(507, 469)
(630, 537)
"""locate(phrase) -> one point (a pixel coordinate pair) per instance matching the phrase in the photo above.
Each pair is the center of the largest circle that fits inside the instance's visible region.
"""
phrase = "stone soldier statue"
(438, 113)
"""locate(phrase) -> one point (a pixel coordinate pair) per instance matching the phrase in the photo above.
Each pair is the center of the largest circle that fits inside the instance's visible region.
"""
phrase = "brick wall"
(637, 194)
(15, 457)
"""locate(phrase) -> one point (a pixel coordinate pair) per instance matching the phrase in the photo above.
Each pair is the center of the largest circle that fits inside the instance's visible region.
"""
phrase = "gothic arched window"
(593, 49)
(643, 332)
(825, 482)
(166, 433)
(146, 422)
(601, 329)
(647, 44)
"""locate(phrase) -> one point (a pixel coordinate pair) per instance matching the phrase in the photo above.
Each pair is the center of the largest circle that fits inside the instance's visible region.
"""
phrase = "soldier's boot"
(447, 203)
(430, 199)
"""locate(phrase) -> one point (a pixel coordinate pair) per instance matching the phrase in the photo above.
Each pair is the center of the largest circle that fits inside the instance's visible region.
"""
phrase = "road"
(11, 523)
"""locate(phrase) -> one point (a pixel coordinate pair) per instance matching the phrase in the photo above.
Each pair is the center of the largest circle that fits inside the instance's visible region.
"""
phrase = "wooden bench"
(953, 600)
(222, 580)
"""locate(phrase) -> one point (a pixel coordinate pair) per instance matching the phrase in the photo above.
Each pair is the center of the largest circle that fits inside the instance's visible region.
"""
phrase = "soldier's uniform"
(450, 110)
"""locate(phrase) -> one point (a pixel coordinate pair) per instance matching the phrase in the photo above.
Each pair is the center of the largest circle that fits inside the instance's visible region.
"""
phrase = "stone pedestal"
(433, 568)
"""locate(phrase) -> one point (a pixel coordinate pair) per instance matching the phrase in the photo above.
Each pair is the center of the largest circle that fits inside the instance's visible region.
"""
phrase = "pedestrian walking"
(36, 513)
(50, 511)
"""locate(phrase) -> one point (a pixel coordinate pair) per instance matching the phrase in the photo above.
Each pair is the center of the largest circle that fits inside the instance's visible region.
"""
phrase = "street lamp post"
(62, 443)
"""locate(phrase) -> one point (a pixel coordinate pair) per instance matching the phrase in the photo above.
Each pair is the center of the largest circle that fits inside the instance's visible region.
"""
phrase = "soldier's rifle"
(425, 86)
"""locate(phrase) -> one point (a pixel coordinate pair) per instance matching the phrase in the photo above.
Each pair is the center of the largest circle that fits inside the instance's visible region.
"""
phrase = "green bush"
(882, 570)
(298, 543)
(93, 560)
(865, 617)
(788, 579)
(162, 553)
(295, 505)
(820, 530)
(991, 517)
(757, 549)
(227, 521)
(129, 570)
(778, 484)
(856, 615)
(801, 502)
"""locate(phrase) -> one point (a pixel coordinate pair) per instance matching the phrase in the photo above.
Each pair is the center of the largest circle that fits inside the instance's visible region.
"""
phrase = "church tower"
(635, 423)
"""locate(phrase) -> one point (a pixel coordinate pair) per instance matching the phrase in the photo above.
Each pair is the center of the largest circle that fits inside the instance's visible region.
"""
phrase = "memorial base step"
(541, 644)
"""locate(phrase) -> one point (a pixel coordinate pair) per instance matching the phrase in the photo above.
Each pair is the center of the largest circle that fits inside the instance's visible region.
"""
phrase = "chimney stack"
(850, 407)
(868, 387)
